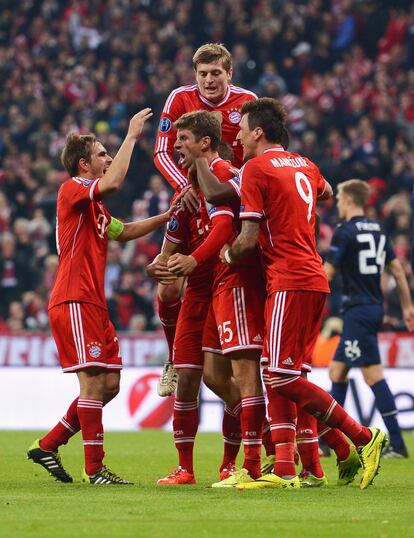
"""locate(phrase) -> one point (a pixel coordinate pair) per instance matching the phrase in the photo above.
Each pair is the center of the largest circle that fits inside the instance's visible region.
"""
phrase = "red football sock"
(231, 434)
(251, 418)
(90, 419)
(307, 443)
(267, 441)
(334, 439)
(282, 413)
(168, 313)
(63, 431)
(320, 403)
(185, 426)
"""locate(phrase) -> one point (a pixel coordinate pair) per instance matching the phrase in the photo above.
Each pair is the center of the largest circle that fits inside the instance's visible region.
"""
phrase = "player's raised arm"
(115, 175)
(214, 191)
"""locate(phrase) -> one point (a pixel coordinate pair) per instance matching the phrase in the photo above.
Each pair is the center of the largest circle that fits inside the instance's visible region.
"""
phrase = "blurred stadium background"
(344, 70)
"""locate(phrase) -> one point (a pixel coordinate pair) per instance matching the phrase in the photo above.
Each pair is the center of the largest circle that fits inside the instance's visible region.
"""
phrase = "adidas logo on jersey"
(258, 338)
(288, 362)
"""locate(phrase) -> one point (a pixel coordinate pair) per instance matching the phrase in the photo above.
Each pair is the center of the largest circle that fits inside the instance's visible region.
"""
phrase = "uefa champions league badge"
(165, 125)
(235, 117)
(173, 224)
(94, 349)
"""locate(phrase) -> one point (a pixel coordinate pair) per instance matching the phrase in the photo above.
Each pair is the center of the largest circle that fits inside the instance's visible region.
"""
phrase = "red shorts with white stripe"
(292, 320)
(84, 337)
(187, 352)
(235, 321)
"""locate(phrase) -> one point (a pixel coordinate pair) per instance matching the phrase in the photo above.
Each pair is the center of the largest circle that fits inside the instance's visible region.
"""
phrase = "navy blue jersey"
(360, 250)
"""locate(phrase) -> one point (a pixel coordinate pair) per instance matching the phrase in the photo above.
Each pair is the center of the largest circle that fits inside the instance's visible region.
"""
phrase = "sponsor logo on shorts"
(250, 434)
(94, 349)
(235, 117)
(288, 362)
(165, 125)
(258, 338)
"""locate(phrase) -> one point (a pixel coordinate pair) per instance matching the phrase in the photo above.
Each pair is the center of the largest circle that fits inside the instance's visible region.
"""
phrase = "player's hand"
(408, 314)
(222, 251)
(136, 123)
(173, 207)
(181, 265)
(190, 200)
(158, 270)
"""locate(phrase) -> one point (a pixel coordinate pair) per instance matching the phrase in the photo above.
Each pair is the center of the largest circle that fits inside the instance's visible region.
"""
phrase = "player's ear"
(83, 164)
(230, 73)
(205, 142)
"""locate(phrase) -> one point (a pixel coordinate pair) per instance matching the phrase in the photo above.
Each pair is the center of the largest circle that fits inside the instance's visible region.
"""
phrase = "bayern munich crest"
(235, 117)
(94, 349)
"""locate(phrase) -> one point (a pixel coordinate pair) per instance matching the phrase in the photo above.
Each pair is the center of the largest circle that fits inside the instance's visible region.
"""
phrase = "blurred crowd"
(343, 68)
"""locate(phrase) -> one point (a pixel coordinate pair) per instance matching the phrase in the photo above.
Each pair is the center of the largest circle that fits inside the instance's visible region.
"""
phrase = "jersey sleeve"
(321, 182)
(177, 230)
(337, 250)
(80, 192)
(252, 192)
(215, 211)
(164, 143)
(220, 234)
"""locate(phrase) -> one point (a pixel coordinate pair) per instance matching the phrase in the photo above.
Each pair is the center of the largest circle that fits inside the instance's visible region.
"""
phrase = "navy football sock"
(338, 392)
(385, 403)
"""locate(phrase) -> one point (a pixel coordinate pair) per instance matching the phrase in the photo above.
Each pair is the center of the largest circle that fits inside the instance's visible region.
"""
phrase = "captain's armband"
(115, 228)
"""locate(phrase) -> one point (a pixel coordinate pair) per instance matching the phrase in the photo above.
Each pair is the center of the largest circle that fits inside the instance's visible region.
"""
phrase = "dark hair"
(76, 147)
(212, 53)
(357, 189)
(268, 114)
(202, 123)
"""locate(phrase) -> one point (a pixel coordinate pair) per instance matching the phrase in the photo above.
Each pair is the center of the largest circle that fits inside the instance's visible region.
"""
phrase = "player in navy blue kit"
(360, 250)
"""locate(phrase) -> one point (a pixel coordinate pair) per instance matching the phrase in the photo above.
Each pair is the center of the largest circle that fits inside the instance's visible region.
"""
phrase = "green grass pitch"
(32, 505)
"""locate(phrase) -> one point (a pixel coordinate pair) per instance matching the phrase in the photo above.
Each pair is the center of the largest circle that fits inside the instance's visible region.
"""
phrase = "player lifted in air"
(212, 91)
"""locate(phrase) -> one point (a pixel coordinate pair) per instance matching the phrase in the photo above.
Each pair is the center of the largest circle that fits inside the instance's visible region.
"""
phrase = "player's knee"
(110, 393)
(188, 383)
(336, 373)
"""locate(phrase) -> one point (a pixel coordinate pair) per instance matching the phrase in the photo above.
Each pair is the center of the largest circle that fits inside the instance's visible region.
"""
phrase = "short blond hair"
(212, 53)
(357, 189)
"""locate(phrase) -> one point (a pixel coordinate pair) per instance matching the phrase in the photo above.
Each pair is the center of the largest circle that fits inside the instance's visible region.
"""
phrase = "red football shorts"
(235, 321)
(84, 337)
(292, 320)
(187, 352)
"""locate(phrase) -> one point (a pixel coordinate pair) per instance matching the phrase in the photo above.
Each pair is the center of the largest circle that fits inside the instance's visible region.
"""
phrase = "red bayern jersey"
(190, 230)
(279, 189)
(247, 271)
(188, 99)
(81, 236)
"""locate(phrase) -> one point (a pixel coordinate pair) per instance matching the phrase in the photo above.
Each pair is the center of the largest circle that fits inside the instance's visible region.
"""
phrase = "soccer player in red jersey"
(234, 326)
(190, 230)
(212, 91)
(279, 192)
(85, 337)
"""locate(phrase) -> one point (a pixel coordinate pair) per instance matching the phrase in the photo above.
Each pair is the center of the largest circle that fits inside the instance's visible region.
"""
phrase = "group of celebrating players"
(244, 237)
